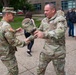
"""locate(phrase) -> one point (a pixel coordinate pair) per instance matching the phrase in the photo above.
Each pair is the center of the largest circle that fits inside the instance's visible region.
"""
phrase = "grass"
(18, 22)
(37, 22)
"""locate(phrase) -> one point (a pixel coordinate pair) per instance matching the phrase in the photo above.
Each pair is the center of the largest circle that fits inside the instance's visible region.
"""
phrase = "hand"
(39, 34)
(27, 41)
(11, 29)
(32, 31)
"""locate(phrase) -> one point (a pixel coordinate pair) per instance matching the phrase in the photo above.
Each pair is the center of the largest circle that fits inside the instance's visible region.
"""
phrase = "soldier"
(52, 29)
(8, 41)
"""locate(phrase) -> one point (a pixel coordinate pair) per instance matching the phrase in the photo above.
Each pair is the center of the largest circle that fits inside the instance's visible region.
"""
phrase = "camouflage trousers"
(11, 63)
(44, 60)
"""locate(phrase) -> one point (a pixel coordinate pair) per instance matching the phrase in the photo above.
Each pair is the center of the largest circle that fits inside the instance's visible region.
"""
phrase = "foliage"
(0, 7)
(17, 4)
(29, 6)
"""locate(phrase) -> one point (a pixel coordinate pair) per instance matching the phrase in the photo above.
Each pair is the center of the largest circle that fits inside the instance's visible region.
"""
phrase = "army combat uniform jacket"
(54, 35)
(8, 40)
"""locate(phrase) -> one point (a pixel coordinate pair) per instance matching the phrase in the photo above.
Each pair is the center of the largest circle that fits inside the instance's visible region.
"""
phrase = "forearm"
(54, 34)
(31, 37)
(57, 33)
(18, 43)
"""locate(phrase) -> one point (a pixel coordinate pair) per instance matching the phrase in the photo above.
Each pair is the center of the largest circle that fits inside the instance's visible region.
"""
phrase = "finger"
(26, 40)
(35, 36)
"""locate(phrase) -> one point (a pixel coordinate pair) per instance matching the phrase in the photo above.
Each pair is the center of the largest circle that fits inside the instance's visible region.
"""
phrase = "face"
(48, 11)
(10, 17)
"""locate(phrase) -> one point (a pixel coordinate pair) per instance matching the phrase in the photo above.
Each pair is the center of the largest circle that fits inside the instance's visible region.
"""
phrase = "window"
(37, 6)
(64, 5)
(68, 4)
(71, 4)
(50, 2)
(54, 3)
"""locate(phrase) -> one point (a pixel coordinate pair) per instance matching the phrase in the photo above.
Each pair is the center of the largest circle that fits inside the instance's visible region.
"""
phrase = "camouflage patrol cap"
(27, 25)
(8, 9)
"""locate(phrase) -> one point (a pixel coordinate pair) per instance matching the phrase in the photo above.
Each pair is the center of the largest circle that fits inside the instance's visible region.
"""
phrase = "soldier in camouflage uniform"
(52, 29)
(8, 42)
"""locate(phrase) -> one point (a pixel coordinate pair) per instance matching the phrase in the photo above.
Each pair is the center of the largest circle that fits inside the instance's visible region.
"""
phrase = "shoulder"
(60, 12)
(59, 19)
(5, 26)
(44, 20)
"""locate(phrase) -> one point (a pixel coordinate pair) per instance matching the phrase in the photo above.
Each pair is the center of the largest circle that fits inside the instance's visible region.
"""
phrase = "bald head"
(49, 10)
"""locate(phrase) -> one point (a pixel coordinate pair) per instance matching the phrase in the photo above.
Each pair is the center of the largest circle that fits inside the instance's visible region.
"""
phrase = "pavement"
(28, 64)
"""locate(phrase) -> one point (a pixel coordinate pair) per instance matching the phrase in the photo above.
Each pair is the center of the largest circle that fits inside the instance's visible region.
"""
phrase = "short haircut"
(52, 6)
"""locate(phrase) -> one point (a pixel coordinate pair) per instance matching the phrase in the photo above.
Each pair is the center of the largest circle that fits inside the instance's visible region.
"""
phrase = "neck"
(5, 19)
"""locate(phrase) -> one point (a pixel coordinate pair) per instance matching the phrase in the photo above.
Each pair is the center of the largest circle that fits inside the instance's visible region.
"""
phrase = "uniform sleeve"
(7, 27)
(12, 40)
(58, 32)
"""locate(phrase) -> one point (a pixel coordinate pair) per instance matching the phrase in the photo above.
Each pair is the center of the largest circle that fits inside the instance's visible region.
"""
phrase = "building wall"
(58, 4)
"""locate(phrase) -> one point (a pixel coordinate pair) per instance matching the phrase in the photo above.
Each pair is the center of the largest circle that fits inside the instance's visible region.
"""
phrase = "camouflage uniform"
(8, 43)
(54, 47)
(8, 47)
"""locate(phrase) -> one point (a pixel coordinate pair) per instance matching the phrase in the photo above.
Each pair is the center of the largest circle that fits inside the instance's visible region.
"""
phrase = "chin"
(47, 17)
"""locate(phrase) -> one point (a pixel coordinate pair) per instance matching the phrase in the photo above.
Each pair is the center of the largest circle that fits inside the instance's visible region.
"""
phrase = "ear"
(53, 10)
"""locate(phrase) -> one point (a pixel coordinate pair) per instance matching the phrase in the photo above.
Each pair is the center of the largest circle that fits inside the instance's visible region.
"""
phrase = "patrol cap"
(8, 9)
(27, 25)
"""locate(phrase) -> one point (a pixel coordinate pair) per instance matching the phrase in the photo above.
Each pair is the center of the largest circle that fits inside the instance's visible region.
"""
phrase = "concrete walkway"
(28, 65)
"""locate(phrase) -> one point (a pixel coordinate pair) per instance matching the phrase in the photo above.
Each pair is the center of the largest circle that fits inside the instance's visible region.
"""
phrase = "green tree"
(17, 4)
(4, 2)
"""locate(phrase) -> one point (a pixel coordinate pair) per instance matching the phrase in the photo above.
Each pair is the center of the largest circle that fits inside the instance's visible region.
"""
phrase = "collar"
(52, 18)
(3, 20)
